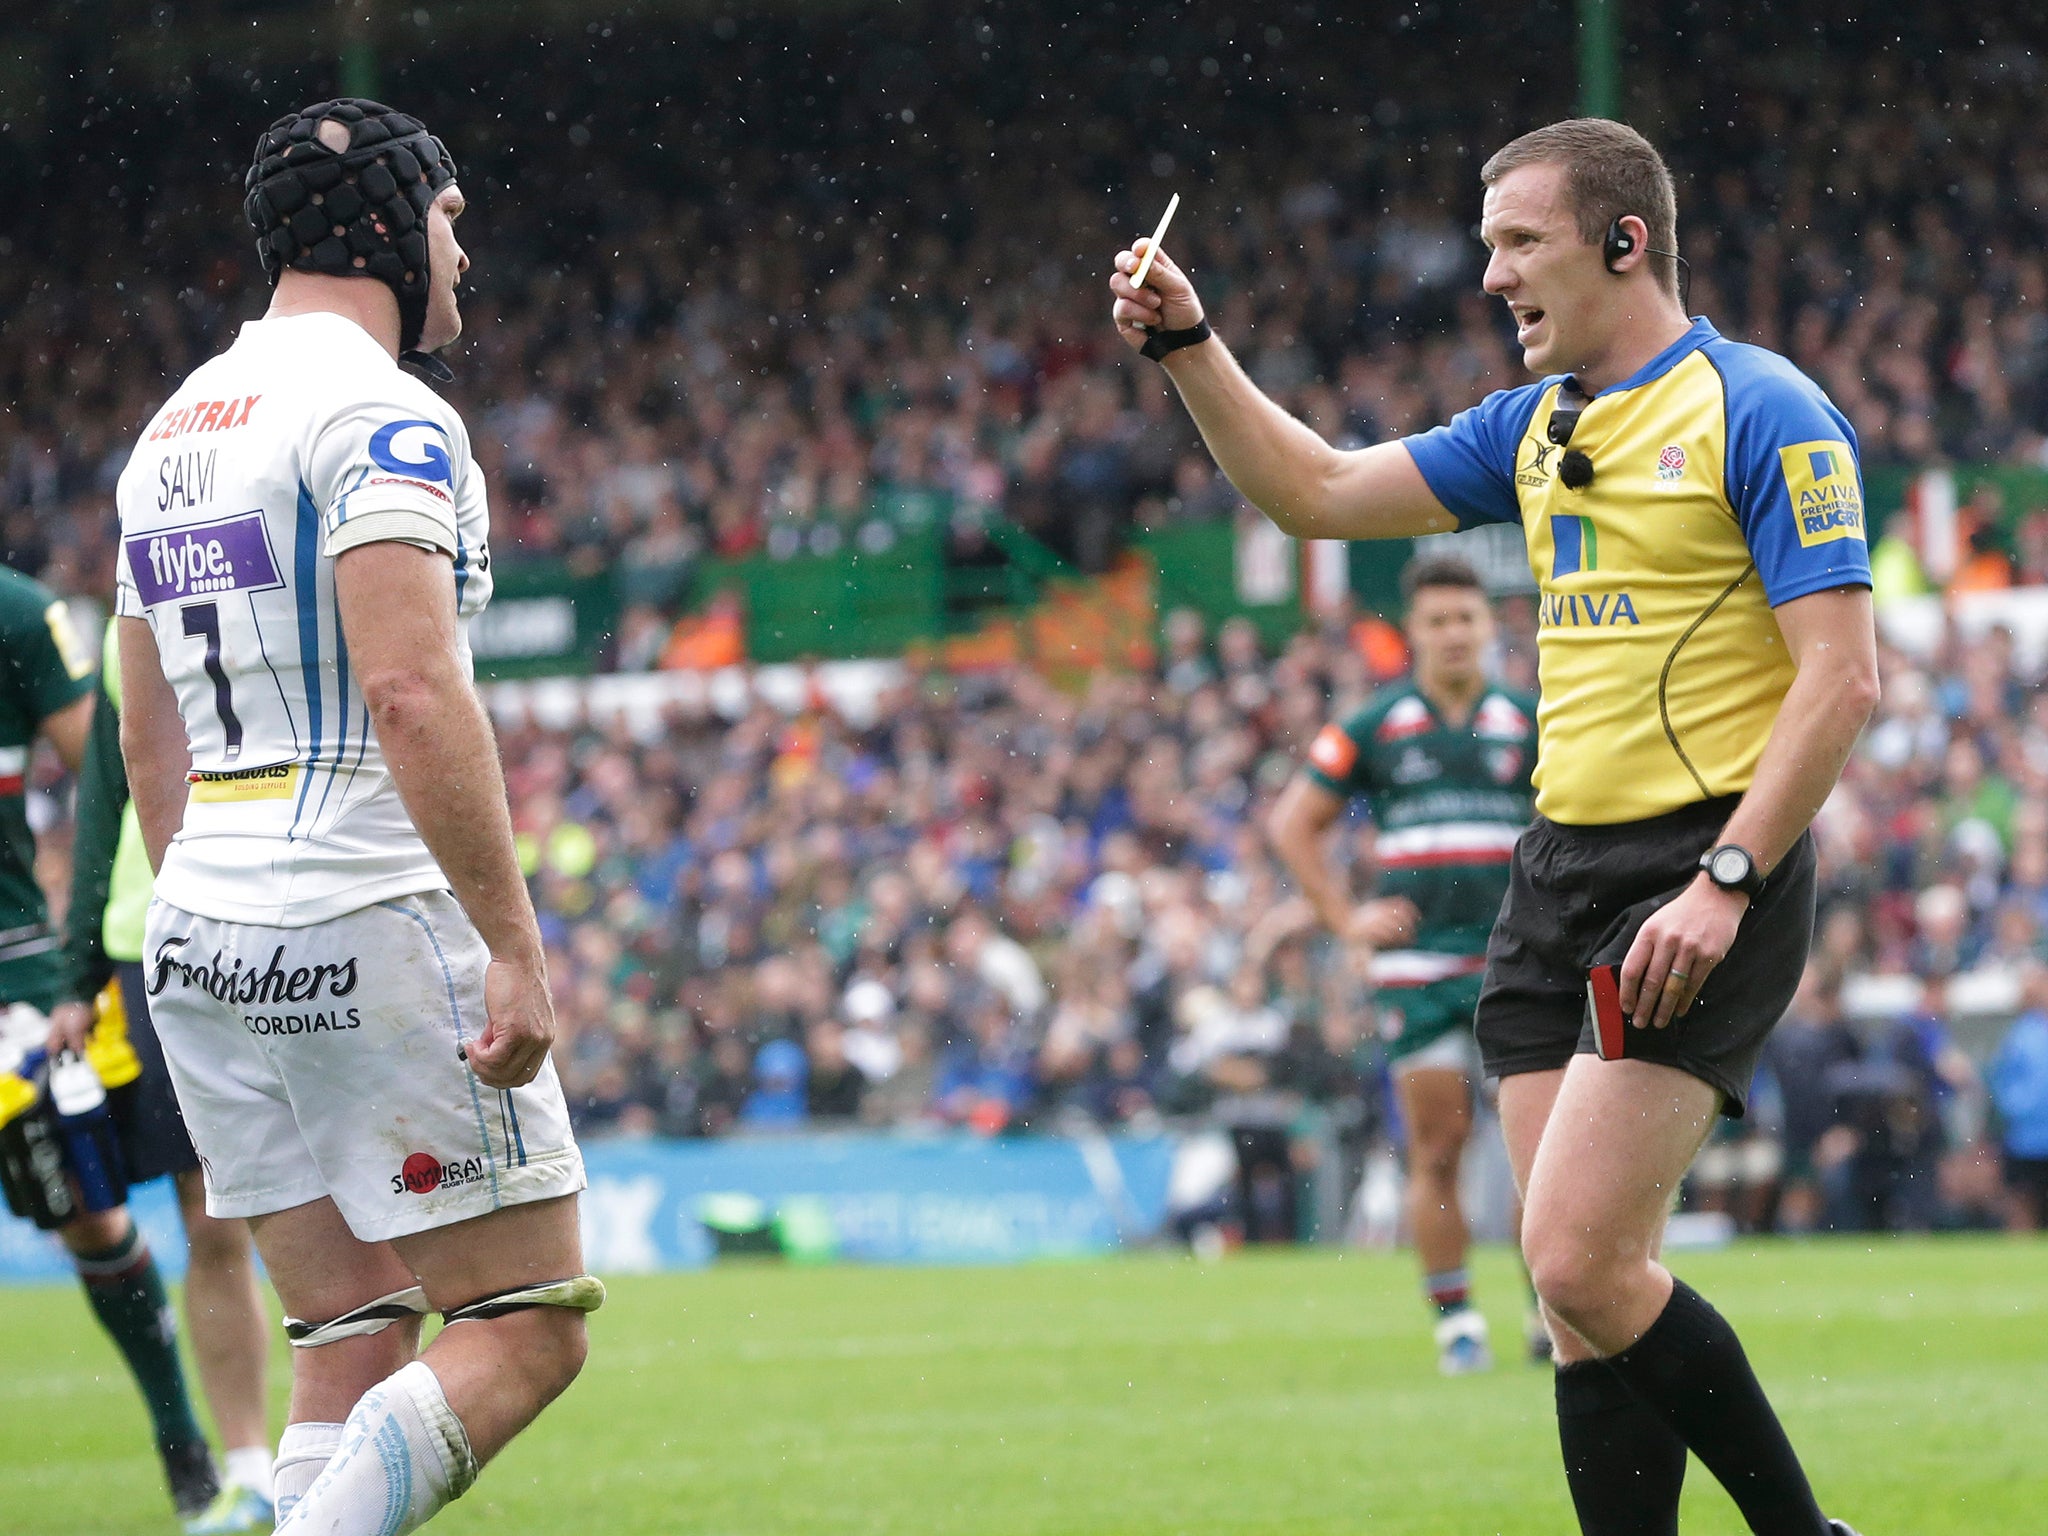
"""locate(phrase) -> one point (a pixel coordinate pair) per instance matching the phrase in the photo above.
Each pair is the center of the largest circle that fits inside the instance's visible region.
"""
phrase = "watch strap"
(1162, 342)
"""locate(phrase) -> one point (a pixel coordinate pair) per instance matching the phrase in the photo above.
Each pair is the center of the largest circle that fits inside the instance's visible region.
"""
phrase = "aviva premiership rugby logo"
(1826, 497)
(1575, 551)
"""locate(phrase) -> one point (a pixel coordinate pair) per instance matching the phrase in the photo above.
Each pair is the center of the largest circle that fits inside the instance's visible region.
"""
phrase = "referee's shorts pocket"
(1620, 935)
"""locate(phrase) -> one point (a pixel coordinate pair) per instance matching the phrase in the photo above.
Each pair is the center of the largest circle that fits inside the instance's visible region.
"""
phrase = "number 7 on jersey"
(204, 619)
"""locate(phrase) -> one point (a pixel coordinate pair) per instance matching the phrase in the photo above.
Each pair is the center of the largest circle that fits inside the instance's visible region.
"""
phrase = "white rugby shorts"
(322, 1061)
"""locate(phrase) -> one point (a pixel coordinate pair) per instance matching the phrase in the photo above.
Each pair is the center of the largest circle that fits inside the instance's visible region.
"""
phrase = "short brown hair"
(1609, 170)
(1439, 571)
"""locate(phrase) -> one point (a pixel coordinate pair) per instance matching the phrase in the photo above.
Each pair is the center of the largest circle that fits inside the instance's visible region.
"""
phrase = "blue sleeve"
(1793, 478)
(1470, 464)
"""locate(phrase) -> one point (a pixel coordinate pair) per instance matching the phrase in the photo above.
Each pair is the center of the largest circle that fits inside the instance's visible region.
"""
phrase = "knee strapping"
(370, 1317)
(581, 1293)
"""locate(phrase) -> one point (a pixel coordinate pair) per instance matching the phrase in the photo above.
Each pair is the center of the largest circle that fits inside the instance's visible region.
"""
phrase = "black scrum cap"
(354, 212)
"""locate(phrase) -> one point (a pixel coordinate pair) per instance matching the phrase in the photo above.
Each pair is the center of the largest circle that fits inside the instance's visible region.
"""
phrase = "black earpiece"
(1619, 243)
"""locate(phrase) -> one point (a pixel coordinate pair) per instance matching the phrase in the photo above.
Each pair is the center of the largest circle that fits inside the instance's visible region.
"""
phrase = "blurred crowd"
(757, 290)
(766, 290)
(1005, 906)
(1000, 906)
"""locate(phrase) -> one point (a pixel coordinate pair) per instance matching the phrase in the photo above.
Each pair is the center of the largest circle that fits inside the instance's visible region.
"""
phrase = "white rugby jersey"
(301, 441)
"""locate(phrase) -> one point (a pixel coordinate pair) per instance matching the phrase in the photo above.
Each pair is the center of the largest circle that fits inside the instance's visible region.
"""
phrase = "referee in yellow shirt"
(1694, 519)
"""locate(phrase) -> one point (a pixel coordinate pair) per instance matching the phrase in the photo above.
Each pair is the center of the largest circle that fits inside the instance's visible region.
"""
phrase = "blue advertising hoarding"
(947, 1199)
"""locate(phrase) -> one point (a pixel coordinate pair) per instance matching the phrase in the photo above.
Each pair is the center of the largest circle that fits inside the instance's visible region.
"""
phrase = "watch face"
(1730, 866)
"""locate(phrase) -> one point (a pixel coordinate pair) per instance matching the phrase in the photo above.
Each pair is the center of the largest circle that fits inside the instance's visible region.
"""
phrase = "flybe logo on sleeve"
(1827, 499)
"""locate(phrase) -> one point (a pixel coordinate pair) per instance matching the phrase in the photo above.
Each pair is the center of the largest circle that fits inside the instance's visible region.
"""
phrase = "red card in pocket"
(1603, 1002)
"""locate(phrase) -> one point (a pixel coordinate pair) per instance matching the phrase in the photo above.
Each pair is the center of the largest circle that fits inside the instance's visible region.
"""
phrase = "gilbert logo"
(1536, 472)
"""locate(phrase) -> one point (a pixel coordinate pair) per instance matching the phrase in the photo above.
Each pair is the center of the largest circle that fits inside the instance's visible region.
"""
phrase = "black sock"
(128, 1295)
(1625, 1465)
(1690, 1367)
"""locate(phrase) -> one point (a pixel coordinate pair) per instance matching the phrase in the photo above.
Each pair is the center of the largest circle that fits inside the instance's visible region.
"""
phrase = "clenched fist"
(1167, 302)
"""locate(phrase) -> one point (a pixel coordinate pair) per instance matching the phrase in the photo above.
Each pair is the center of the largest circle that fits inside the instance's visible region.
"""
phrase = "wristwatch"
(1733, 868)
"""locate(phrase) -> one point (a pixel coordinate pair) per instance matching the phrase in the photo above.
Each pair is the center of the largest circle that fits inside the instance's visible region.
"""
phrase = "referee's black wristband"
(1163, 342)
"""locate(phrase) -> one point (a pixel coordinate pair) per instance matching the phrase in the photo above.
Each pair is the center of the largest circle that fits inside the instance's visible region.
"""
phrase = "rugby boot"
(1461, 1343)
(188, 1468)
(235, 1511)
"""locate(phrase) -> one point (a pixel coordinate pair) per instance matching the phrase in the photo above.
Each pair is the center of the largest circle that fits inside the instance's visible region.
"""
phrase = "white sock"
(302, 1455)
(403, 1455)
(249, 1467)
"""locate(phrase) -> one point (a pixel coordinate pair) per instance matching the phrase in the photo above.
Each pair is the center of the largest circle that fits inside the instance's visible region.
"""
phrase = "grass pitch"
(1287, 1393)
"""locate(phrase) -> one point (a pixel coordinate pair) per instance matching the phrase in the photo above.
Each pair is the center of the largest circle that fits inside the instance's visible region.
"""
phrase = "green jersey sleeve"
(1339, 760)
(102, 798)
(44, 666)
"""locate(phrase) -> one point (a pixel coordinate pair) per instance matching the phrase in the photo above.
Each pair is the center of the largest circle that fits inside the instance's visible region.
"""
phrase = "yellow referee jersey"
(1724, 483)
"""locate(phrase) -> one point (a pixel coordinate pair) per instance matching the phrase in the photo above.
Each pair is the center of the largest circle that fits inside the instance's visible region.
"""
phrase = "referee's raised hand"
(1167, 302)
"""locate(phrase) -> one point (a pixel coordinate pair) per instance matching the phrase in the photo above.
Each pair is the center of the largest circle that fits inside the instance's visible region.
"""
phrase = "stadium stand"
(721, 309)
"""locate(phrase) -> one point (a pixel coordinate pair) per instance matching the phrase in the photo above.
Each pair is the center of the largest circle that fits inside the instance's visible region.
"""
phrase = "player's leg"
(415, 1438)
(224, 1316)
(1618, 1140)
(1542, 1350)
(469, 1196)
(1624, 1464)
(1436, 1108)
(127, 1295)
(500, 1371)
(345, 1299)
(226, 1322)
(240, 1117)
(1525, 1103)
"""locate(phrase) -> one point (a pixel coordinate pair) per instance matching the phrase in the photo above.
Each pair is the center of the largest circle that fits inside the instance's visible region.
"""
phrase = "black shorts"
(154, 1140)
(1577, 895)
(2027, 1178)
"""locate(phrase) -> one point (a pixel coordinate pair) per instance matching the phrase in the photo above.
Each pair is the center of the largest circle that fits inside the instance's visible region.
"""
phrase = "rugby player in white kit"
(343, 961)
